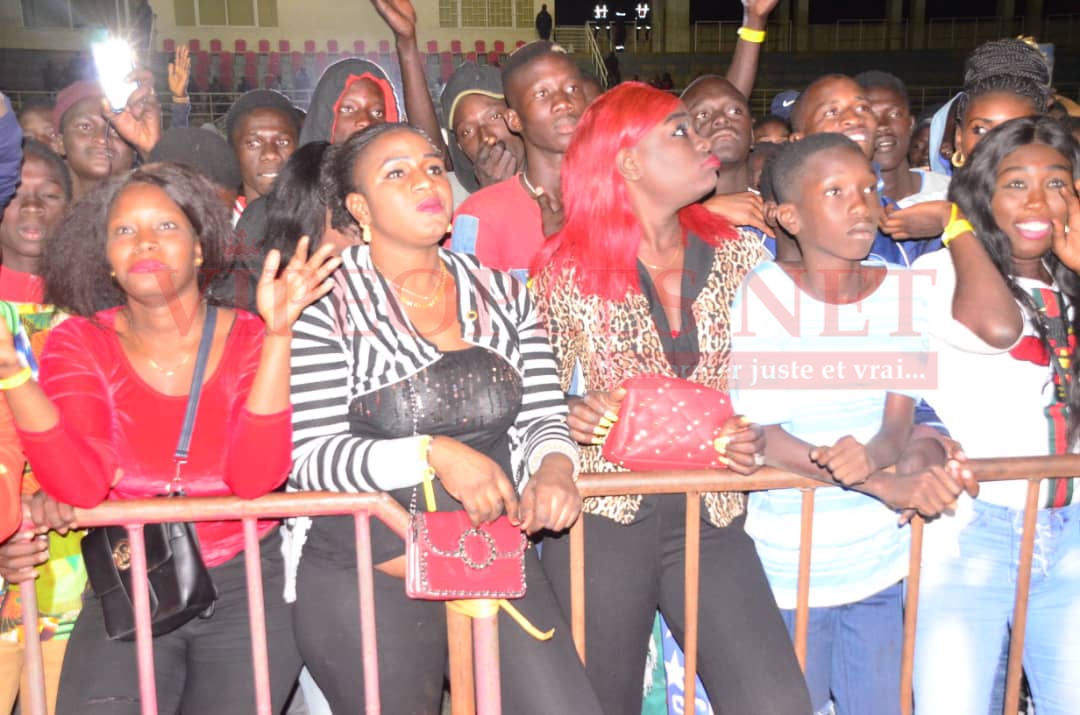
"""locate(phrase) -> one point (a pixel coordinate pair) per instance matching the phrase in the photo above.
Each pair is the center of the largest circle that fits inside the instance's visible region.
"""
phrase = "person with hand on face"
(52, 554)
(511, 218)
(837, 426)
(837, 103)
(263, 128)
(129, 264)
(482, 148)
(1003, 303)
(1003, 80)
(422, 365)
(646, 257)
(88, 137)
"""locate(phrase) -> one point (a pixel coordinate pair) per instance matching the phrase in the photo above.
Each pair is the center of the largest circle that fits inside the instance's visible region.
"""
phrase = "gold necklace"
(171, 372)
(423, 301)
(670, 261)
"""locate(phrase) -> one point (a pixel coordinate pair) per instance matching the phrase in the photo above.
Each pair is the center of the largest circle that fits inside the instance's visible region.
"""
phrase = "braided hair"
(1008, 65)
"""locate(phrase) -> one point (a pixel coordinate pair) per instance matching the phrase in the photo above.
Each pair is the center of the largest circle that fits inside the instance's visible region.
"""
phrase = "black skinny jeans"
(203, 667)
(745, 658)
(538, 677)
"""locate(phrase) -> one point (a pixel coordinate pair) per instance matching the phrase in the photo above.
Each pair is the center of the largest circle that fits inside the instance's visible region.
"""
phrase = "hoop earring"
(957, 159)
(365, 232)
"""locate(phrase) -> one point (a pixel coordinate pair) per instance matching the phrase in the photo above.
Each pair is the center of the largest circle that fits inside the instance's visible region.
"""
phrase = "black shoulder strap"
(201, 359)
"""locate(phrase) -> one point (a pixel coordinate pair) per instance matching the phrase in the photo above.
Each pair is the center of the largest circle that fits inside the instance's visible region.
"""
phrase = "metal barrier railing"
(474, 685)
(694, 483)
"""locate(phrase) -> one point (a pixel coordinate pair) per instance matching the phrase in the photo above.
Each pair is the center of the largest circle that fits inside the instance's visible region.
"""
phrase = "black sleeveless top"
(472, 395)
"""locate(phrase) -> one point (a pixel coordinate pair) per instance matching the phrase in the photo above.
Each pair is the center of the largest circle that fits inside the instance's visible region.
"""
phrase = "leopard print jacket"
(614, 341)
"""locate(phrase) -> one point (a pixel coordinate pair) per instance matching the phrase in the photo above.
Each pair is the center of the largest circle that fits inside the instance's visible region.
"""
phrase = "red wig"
(600, 235)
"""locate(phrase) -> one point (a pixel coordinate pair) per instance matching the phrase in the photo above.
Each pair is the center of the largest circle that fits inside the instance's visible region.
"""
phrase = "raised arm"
(744, 63)
(400, 15)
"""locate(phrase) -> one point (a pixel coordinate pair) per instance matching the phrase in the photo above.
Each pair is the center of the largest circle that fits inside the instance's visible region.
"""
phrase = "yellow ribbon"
(488, 607)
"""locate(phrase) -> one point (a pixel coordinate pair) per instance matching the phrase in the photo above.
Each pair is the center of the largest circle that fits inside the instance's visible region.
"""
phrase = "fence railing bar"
(488, 686)
(911, 608)
(32, 658)
(577, 586)
(691, 601)
(802, 601)
(462, 678)
(365, 585)
(1023, 584)
(260, 661)
(144, 636)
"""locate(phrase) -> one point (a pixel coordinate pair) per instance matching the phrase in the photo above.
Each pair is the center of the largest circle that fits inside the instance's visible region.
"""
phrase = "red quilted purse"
(447, 558)
(667, 423)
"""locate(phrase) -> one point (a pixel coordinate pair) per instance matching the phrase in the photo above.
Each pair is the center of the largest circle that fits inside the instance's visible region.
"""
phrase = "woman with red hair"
(640, 281)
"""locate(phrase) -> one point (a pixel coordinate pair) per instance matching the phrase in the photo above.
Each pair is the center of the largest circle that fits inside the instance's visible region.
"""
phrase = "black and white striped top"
(357, 340)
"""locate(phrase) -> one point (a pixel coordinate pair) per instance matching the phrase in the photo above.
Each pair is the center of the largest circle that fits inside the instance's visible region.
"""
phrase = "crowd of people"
(401, 292)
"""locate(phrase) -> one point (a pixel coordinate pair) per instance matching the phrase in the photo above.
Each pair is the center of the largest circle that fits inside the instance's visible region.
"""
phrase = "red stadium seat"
(194, 45)
(432, 47)
(332, 46)
(446, 65)
(240, 46)
(309, 46)
(384, 47)
(283, 46)
(493, 58)
(264, 46)
(225, 68)
(481, 48)
(358, 47)
(215, 45)
(471, 57)
(274, 64)
(500, 47)
(519, 44)
(251, 62)
(455, 47)
(169, 45)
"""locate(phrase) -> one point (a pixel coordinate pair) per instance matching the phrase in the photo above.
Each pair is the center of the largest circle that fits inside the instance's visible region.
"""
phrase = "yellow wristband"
(17, 380)
(955, 227)
(751, 35)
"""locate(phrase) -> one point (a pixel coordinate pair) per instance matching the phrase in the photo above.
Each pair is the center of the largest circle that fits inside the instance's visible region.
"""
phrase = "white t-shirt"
(934, 187)
(858, 548)
(991, 402)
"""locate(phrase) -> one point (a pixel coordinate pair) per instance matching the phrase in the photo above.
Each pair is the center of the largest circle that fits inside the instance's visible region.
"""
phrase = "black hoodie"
(324, 99)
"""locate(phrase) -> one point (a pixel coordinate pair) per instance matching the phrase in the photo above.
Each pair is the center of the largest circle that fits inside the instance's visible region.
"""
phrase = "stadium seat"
(500, 47)
(240, 46)
(384, 47)
(332, 46)
(194, 45)
(264, 46)
(215, 45)
(455, 47)
(358, 47)
(283, 46)
(309, 46)
(169, 45)
(481, 48)
(432, 47)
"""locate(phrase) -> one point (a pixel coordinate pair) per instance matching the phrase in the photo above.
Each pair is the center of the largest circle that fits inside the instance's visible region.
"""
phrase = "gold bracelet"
(17, 380)
(751, 35)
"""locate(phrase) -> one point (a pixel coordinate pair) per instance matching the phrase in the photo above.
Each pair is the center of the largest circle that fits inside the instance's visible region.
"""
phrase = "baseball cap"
(783, 103)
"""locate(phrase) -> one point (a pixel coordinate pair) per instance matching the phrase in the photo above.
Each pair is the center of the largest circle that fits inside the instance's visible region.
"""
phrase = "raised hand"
(1066, 243)
(140, 122)
(400, 15)
(758, 8)
(281, 298)
(179, 72)
(474, 480)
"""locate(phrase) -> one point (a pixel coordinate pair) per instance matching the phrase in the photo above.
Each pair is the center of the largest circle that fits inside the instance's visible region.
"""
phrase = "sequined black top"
(472, 395)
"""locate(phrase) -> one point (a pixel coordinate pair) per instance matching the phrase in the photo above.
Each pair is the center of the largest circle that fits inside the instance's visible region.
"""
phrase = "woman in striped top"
(420, 360)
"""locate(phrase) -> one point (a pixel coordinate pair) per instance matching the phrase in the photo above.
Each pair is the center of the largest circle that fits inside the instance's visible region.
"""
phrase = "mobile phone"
(114, 64)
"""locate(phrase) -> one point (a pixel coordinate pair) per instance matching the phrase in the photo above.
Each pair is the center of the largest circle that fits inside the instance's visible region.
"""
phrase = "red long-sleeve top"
(111, 419)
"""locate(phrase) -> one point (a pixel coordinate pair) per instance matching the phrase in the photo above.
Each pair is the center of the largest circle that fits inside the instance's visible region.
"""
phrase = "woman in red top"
(129, 264)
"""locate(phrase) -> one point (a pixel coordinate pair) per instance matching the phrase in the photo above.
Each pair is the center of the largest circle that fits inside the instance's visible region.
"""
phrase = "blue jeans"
(966, 606)
(853, 654)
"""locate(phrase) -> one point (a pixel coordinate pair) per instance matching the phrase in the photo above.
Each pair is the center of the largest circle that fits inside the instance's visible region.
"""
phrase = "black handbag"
(179, 583)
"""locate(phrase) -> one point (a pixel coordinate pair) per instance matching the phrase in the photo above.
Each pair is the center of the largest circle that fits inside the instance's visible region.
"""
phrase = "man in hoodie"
(482, 148)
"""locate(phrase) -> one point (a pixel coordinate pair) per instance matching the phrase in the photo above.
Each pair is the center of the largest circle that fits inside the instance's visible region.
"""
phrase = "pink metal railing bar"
(133, 514)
